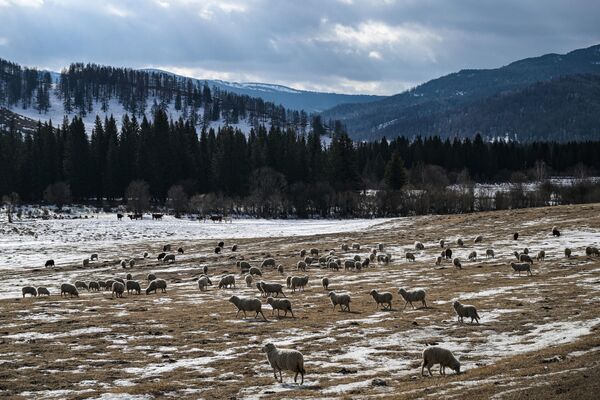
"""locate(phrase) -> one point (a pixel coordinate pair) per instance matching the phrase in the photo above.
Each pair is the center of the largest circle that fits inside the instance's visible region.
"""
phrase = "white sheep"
(284, 359)
(155, 285)
(382, 298)
(203, 282)
(117, 289)
(415, 295)
(247, 304)
(30, 290)
(280, 304)
(227, 281)
(342, 299)
(518, 267)
(438, 355)
(468, 311)
(67, 288)
(299, 282)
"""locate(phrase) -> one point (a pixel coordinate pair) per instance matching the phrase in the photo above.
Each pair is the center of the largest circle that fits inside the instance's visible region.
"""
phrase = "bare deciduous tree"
(58, 193)
(138, 196)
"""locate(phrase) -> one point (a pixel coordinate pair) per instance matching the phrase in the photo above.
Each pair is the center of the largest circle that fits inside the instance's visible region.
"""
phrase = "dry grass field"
(538, 337)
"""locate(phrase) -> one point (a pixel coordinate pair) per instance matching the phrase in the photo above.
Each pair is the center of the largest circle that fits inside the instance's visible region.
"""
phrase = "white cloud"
(210, 7)
(22, 3)
(163, 3)
(3, 41)
(116, 11)
(375, 55)
(375, 33)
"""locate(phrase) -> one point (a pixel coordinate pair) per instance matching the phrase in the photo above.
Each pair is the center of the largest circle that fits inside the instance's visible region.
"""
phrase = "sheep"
(29, 290)
(227, 281)
(345, 247)
(472, 255)
(255, 271)
(460, 242)
(244, 266)
(442, 243)
(217, 250)
(203, 282)
(372, 256)
(415, 295)
(43, 291)
(463, 310)
(108, 284)
(308, 260)
(205, 269)
(380, 246)
(342, 299)
(268, 262)
(161, 256)
(448, 253)
(356, 258)
(101, 284)
(94, 257)
(383, 258)
(333, 265)
(129, 277)
(419, 246)
(299, 282)
(366, 263)
(355, 246)
(516, 236)
(67, 288)
(131, 263)
(81, 284)
(155, 285)
(526, 250)
(248, 280)
(133, 286)
(169, 258)
(517, 255)
(123, 264)
(247, 304)
(301, 266)
(145, 254)
(86, 262)
(457, 263)
(314, 252)
(280, 269)
(541, 255)
(555, 231)
(234, 248)
(271, 288)
(151, 277)
(357, 266)
(525, 258)
(180, 250)
(382, 298)
(119, 280)
(438, 260)
(348, 264)
(221, 244)
(93, 285)
(521, 267)
(167, 247)
(478, 239)
(288, 282)
(284, 359)
(49, 263)
(117, 289)
(410, 256)
(280, 304)
(438, 355)
(490, 253)
(325, 283)
(568, 252)
(591, 251)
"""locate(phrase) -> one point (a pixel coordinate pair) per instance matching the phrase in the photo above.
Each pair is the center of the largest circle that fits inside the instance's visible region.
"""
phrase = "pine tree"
(395, 174)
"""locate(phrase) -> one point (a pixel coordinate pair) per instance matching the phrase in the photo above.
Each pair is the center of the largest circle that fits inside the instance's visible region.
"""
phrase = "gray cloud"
(352, 46)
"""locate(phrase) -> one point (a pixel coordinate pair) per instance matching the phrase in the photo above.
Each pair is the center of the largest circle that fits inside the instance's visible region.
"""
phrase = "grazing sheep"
(29, 290)
(382, 298)
(415, 295)
(372, 256)
(43, 291)
(247, 304)
(102, 284)
(383, 258)
(380, 246)
(280, 269)
(280, 304)
(133, 286)
(203, 282)
(234, 247)
(81, 284)
(217, 250)
(145, 254)
(460, 242)
(268, 262)
(517, 255)
(314, 252)
(49, 263)
(357, 266)
(93, 285)
(302, 253)
(221, 244)
(525, 258)
(478, 239)
(244, 266)
(255, 271)
(161, 256)
(67, 288)
(227, 281)
(345, 247)
(94, 257)
(167, 247)
(410, 257)
(301, 266)
(108, 284)
(271, 288)
(169, 258)
(348, 264)
(592, 251)
(468, 311)
(490, 253)
(155, 285)
(119, 280)
(366, 263)
(438, 355)
(248, 280)
(357, 258)
(555, 231)
(516, 236)
(442, 243)
(541, 255)
(472, 255)
(151, 277)
(325, 283)
(299, 282)
(521, 267)
(448, 253)
(131, 263)
(457, 263)
(86, 262)
(283, 359)
(180, 250)
(288, 282)
(419, 246)
(438, 260)
(308, 260)
(333, 265)
(568, 252)
(342, 299)
(123, 264)
(129, 277)
(526, 250)
(355, 246)
(117, 289)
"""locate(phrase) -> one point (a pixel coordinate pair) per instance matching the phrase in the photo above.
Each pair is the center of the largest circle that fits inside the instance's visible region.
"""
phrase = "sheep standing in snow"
(131, 263)
(325, 283)
(380, 246)
(438, 355)
(227, 281)
(30, 290)
(489, 253)
(203, 283)
(382, 299)
(333, 265)
(342, 299)
(314, 252)
(301, 266)
(442, 243)
(151, 277)
(133, 286)
(108, 284)
(221, 244)
(247, 304)
(169, 258)
(271, 289)
(348, 265)
(234, 247)
(415, 295)
(94, 257)
(526, 250)
(463, 311)
(49, 263)
(167, 247)
(82, 285)
(67, 288)
(478, 239)
(289, 360)
(86, 262)
(299, 282)
(180, 250)
(288, 282)
(129, 277)
(355, 246)
(568, 252)
(255, 271)
(345, 247)
(280, 269)
(457, 263)
(516, 236)
(248, 280)
(268, 262)
(410, 256)
(448, 253)
(117, 289)
(460, 242)
(280, 304)
(302, 253)
(591, 251)
(541, 255)
(93, 285)
(518, 267)
(555, 231)
(218, 250)
(145, 254)
(43, 291)
(161, 256)
(244, 266)
(123, 264)
(205, 269)
(155, 285)
(438, 260)
(472, 255)
(525, 258)
(419, 246)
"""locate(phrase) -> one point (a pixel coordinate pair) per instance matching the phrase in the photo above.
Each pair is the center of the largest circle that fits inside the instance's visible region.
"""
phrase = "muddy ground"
(538, 337)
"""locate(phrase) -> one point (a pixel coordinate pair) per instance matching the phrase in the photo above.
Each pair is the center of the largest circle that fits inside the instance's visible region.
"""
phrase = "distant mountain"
(474, 100)
(288, 97)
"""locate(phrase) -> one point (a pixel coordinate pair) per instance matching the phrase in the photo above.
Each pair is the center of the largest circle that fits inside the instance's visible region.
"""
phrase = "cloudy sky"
(349, 46)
